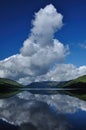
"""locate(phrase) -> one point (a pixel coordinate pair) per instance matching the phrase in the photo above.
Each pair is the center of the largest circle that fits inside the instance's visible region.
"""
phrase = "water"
(77, 120)
(26, 111)
(47, 89)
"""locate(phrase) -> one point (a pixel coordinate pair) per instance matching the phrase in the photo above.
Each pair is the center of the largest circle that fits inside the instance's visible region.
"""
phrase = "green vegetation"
(9, 87)
(77, 86)
(81, 79)
(79, 82)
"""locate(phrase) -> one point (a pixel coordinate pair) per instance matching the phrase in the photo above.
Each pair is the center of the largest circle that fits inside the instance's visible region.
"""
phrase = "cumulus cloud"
(47, 21)
(41, 52)
(64, 72)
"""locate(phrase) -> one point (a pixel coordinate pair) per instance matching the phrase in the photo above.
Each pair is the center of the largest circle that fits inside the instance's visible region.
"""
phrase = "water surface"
(26, 111)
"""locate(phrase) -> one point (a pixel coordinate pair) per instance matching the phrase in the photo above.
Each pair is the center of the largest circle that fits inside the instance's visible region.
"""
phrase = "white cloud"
(64, 72)
(47, 21)
(28, 68)
(41, 52)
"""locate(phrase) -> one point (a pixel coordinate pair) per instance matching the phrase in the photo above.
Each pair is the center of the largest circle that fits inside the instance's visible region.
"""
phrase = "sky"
(42, 40)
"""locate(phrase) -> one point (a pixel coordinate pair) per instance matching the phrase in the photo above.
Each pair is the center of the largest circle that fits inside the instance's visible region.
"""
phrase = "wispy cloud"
(83, 45)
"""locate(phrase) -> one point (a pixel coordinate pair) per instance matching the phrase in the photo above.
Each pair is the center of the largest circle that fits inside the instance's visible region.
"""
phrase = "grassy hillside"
(78, 83)
(8, 81)
(78, 87)
(8, 87)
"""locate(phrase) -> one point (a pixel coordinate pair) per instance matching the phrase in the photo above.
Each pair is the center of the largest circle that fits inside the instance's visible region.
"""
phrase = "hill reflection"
(39, 112)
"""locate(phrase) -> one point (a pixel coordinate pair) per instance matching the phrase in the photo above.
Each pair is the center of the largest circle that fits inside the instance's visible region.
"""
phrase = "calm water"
(26, 111)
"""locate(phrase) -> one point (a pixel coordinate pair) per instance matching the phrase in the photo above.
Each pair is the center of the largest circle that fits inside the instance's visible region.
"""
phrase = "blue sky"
(15, 26)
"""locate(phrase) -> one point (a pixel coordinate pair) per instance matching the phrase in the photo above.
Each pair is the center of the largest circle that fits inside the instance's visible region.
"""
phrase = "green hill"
(8, 87)
(77, 86)
(76, 83)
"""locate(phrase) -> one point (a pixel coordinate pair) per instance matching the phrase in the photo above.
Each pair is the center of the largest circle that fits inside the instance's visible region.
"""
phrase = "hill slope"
(8, 87)
(78, 87)
(76, 83)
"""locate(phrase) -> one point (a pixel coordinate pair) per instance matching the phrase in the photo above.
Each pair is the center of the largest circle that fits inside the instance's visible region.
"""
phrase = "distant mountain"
(8, 87)
(43, 84)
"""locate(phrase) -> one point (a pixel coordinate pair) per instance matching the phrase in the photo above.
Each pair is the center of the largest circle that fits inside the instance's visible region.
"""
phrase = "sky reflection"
(44, 112)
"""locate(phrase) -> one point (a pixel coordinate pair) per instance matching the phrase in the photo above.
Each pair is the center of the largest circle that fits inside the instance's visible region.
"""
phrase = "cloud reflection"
(41, 112)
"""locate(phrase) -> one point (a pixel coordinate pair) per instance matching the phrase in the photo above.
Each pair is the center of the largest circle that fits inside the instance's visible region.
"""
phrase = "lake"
(27, 111)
